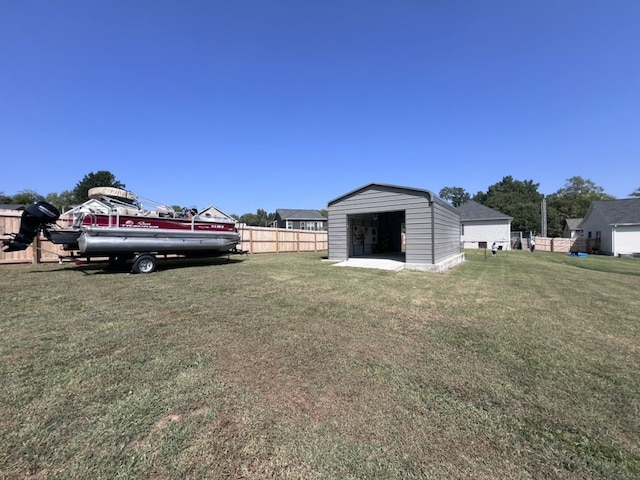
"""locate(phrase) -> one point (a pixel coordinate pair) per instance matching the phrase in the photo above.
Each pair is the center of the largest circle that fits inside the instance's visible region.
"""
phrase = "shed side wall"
(446, 232)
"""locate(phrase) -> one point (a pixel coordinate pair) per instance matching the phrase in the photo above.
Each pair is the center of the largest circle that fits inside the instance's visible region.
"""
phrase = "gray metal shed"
(373, 220)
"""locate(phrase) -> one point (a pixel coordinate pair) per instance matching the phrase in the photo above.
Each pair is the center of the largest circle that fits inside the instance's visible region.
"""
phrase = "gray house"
(371, 221)
(615, 224)
(481, 226)
(299, 219)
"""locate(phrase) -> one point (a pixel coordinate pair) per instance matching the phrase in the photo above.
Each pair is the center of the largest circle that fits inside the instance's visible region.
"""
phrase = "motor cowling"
(33, 219)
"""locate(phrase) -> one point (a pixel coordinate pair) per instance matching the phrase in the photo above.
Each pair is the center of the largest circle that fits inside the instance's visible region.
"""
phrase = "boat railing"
(114, 217)
(77, 219)
(93, 219)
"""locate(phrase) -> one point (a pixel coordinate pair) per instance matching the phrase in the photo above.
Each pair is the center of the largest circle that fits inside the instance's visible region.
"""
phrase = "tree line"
(520, 199)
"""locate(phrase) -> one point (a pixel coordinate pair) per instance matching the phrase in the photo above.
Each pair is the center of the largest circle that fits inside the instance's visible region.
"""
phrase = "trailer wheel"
(144, 264)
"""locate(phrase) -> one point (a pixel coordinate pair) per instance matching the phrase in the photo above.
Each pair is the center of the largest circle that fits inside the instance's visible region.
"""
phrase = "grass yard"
(524, 366)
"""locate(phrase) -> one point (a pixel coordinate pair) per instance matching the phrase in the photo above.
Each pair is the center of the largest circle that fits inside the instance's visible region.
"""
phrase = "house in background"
(12, 206)
(480, 226)
(572, 228)
(299, 219)
(615, 224)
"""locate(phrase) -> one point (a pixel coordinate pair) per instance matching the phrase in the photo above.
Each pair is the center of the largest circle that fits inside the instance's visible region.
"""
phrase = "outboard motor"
(33, 219)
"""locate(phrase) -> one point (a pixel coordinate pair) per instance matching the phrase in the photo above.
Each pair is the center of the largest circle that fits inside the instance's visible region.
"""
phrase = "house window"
(302, 225)
(289, 225)
(589, 235)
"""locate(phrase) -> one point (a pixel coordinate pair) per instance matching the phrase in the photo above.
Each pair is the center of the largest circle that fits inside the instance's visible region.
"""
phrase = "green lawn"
(524, 366)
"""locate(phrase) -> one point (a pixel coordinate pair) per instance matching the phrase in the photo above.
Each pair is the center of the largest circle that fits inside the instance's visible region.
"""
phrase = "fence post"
(35, 250)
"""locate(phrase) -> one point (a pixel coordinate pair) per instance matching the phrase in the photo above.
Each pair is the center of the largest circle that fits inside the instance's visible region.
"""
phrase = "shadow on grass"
(605, 264)
(104, 267)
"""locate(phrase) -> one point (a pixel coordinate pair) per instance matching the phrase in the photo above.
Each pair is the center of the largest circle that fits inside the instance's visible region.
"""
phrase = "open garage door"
(377, 234)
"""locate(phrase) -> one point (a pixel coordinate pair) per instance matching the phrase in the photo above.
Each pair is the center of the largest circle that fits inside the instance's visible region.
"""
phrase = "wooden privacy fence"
(254, 240)
(280, 240)
(565, 245)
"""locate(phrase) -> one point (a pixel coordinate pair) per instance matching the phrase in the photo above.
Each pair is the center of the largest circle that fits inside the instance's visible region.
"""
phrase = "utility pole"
(543, 210)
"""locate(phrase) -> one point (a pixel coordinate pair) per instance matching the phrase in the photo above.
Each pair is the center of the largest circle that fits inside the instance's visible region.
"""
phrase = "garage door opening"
(378, 235)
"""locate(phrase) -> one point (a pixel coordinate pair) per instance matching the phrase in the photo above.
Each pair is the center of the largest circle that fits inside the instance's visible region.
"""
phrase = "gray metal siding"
(369, 201)
(338, 235)
(446, 232)
(419, 235)
(375, 200)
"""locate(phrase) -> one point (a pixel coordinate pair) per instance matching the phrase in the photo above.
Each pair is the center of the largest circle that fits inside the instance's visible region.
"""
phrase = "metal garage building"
(373, 220)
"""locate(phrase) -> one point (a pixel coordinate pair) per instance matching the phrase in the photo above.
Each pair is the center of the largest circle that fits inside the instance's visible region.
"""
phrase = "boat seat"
(163, 211)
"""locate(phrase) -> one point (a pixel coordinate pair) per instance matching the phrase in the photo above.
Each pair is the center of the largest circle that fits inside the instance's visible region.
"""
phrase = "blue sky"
(291, 103)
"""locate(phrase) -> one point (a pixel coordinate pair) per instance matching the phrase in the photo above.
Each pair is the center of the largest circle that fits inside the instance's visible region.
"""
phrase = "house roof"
(573, 223)
(298, 214)
(626, 211)
(473, 211)
(11, 206)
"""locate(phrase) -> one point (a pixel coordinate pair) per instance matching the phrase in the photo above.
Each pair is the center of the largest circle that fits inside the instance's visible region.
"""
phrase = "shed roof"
(384, 185)
(474, 211)
(399, 189)
(299, 214)
(626, 211)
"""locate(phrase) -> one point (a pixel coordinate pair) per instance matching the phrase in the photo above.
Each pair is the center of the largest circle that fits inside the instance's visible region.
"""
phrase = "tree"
(26, 197)
(63, 201)
(636, 193)
(456, 196)
(518, 199)
(101, 178)
(259, 219)
(480, 197)
(572, 201)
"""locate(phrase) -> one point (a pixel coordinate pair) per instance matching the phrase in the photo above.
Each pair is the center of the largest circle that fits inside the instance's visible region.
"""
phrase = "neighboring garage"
(372, 220)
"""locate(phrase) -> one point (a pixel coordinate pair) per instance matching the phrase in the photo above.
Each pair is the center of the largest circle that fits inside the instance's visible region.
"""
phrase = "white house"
(481, 226)
(616, 223)
(572, 228)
